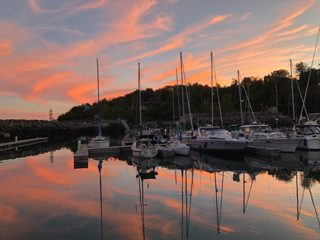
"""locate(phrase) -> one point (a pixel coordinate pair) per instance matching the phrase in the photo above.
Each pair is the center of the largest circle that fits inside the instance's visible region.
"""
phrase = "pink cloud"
(178, 41)
(6, 48)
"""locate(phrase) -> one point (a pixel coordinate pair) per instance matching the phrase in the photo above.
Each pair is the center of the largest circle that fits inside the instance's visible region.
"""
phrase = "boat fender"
(143, 146)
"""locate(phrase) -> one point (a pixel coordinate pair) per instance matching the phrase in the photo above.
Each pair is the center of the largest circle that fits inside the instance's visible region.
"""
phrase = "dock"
(21, 143)
(84, 152)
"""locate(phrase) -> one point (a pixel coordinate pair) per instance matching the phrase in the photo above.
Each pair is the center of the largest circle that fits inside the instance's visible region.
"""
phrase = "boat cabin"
(307, 129)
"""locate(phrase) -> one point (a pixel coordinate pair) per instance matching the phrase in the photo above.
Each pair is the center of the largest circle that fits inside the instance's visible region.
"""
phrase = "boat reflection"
(287, 168)
(218, 165)
(184, 163)
(145, 171)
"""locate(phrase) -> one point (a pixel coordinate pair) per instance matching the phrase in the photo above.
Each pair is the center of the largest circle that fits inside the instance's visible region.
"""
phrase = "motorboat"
(261, 135)
(144, 148)
(179, 148)
(309, 135)
(216, 139)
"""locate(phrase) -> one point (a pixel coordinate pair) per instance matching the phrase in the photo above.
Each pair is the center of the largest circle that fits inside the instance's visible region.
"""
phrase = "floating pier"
(83, 152)
(21, 143)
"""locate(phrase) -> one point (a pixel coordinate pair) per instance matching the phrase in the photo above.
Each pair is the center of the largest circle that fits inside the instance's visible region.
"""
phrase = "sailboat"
(179, 133)
(99, 141)
(212, 138)
(143, 147)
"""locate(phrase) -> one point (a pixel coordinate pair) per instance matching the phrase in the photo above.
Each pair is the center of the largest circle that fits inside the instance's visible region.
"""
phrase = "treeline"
(272, 93)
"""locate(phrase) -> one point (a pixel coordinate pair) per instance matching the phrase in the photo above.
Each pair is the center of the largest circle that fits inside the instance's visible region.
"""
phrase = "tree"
(301, 67)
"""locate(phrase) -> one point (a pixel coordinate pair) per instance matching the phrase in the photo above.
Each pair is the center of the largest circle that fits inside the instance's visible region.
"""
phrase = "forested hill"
(159, 105)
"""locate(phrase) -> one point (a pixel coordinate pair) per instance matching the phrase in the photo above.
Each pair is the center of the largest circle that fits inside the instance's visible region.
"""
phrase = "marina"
(118, 120)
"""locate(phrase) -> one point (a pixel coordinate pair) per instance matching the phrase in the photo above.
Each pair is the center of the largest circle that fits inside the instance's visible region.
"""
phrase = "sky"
(48, 49)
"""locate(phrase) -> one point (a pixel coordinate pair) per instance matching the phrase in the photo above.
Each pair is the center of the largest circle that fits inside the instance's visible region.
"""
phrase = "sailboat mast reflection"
(245, 201)
(101, 220)
(306, 183)
(184, 162)
(145, 170)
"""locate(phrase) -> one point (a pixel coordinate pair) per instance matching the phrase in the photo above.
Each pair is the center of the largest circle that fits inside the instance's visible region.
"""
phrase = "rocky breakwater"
(26, 129)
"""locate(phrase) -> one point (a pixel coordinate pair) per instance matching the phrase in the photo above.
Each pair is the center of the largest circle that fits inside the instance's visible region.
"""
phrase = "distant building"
(50, 115)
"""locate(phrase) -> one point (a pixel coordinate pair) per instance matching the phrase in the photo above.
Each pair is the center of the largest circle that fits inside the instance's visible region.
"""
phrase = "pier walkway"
(21, 143)
(84, 152)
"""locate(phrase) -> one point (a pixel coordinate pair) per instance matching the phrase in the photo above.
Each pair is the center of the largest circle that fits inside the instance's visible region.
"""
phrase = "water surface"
(51, 196)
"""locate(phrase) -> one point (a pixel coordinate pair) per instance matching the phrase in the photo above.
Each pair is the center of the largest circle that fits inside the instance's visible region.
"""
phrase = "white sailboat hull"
(180, 148)
(99, 142)
(143, 149)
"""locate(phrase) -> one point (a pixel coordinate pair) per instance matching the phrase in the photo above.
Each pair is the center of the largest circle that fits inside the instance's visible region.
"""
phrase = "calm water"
(50, 196)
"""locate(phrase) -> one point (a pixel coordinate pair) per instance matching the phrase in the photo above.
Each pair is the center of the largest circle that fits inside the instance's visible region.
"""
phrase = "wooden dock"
(21, 143)
(84, 152)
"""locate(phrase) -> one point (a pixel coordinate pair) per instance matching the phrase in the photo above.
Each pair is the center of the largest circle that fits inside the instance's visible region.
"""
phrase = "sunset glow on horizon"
(48, 49)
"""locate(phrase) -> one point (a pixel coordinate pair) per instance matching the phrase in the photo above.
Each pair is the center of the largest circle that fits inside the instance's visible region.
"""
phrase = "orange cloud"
(47, 83)
(80, 92)
(179, 40)
(6, 48)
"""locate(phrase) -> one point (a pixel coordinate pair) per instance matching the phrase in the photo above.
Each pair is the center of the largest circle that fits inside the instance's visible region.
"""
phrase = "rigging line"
(300, 94)
(211, 77)
(217, 88)
(188, 97)
(249, 102)
(305, 93)
(178, 92)
(315, 209)
(182, 93)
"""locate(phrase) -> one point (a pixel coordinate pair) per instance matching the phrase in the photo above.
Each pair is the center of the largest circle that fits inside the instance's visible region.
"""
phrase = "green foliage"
(158, 104)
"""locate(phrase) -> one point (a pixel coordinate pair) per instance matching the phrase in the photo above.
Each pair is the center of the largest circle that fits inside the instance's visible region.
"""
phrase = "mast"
(215, 76)
(188, 99)
(99, 128)
(139, 88)
(293, 112)
(178, 92)
(182, 95)
(240, 97)
(305, 93)
(173, 113)
(211, 90)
